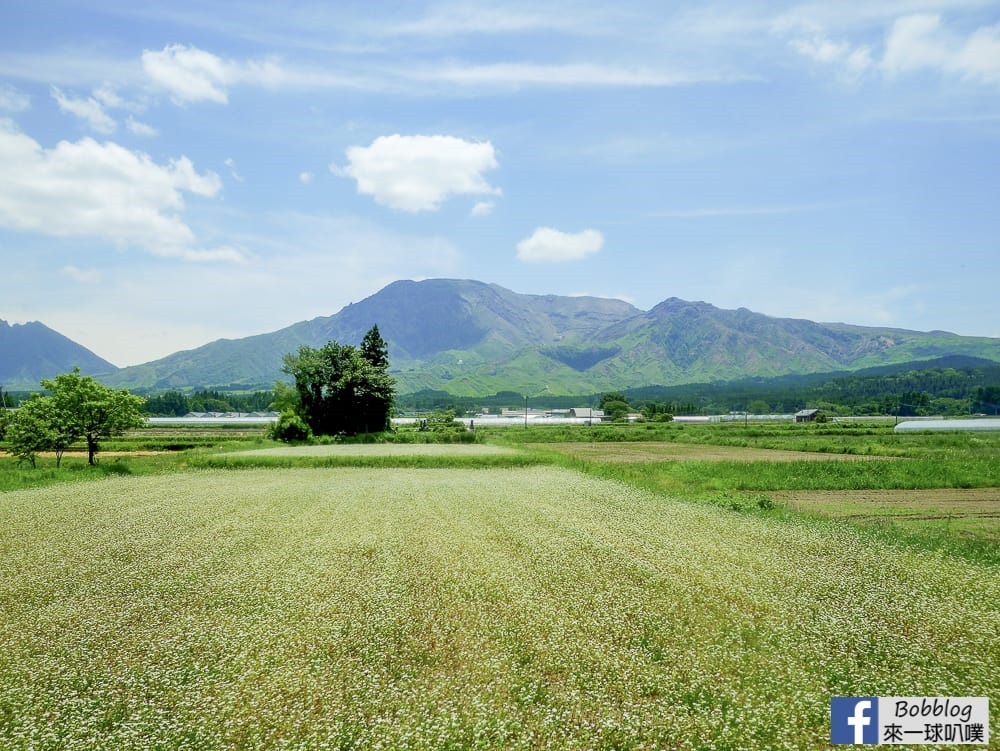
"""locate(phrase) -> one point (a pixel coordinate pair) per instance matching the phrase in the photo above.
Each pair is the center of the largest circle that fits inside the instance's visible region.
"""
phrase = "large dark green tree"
(342, 389)
(374, 349)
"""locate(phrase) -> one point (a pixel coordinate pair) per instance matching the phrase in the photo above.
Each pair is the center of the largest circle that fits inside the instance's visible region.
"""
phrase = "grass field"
(383, 450)
(488, 608)
(664, 586)
(660, 451)
(972, 513)
(867, 475)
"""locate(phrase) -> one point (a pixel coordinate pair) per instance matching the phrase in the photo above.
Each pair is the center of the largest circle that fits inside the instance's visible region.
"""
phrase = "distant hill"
(471, 338)
(944, 385)
(32, 351)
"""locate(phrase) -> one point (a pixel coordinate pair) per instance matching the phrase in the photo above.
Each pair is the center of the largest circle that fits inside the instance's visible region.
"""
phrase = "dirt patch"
(659, 451)
(960, 499)
(970, 504)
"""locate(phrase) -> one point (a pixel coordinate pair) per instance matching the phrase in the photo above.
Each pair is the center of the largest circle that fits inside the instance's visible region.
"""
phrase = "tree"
(340, 389)
(58, 430)
(289, 428)
(92, 411)
(374, 349)
(30, 430)
(5, 418)
(657, 412)
(615, 405)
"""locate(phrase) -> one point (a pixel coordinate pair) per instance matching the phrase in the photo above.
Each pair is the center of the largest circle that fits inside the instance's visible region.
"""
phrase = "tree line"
(176, 403)
(948, 386)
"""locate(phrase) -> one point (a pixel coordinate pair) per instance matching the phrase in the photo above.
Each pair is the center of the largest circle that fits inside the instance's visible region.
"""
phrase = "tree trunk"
(91, 451)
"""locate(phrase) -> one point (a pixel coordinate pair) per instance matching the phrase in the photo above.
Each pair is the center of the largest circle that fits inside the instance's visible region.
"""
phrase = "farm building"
(806, 415)
(587, 412)
(980, 424)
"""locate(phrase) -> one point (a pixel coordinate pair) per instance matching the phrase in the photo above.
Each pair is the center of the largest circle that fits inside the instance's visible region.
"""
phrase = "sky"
(174, 173)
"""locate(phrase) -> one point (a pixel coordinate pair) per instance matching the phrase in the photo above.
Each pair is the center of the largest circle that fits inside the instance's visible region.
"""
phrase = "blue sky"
(172, 173)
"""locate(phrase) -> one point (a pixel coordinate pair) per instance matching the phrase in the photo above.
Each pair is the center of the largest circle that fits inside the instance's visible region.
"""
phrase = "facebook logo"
(854, 719)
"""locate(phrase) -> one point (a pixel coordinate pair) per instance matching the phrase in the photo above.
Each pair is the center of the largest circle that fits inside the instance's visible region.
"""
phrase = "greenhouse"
(971, 424)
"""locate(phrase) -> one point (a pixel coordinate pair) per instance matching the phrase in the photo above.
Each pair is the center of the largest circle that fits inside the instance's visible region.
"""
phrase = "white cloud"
(852, 61)
(305, 177)
(738, 211)
(12, 100)
(106, 95)
(140, 129)
(979, 58)
(417, 173)
(89, 189)
(588, 75)
(547, 244)
(483, 208)
(89, 110)
(189, 74)
(83, 276)
(913, 43)
(465, 19)
(232, 170)
(193, 75)
(920, 42)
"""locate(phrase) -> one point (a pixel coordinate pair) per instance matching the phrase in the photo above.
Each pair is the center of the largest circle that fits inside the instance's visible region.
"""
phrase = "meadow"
(543, 594)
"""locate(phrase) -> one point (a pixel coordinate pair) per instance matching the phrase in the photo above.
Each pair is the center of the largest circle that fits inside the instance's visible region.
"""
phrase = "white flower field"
(514, 608)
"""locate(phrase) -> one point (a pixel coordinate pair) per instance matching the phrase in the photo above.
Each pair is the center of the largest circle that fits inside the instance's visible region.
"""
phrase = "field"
(965, 512)
(659, 451)
(939, 491)
(382, 450)
(601, 593)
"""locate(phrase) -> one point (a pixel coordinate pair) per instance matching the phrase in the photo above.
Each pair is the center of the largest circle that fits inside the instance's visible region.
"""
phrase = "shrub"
(289, 428)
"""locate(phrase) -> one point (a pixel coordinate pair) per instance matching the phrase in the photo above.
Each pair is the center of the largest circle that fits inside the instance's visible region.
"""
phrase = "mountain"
(471, 338)
(32, 351)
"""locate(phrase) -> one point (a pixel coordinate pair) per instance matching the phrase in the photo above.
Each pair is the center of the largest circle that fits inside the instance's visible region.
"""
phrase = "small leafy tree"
(59, 432)
(443, 421)
(615, 405)
(657, 412)
(289, 428)
(90, 410)
(30, 431)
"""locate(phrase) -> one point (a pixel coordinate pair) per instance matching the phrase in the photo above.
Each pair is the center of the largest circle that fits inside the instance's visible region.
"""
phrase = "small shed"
(806, 415)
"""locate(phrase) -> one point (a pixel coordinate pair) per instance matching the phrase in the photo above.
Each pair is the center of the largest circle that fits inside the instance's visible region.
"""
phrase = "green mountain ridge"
(32, 351)
(471, 338)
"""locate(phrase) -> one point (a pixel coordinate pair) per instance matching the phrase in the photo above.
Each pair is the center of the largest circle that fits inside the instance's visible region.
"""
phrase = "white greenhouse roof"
(979, 424)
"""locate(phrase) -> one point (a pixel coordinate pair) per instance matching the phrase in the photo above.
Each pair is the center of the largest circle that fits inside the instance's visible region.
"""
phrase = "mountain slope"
(32, 351)
(471, 338)
(432, 327)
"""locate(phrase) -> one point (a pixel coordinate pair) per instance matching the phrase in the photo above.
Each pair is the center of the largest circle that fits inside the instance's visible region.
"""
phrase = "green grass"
(931, 461)
(374, 461)
(876, 439)
(491, 608)
(75, 469)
